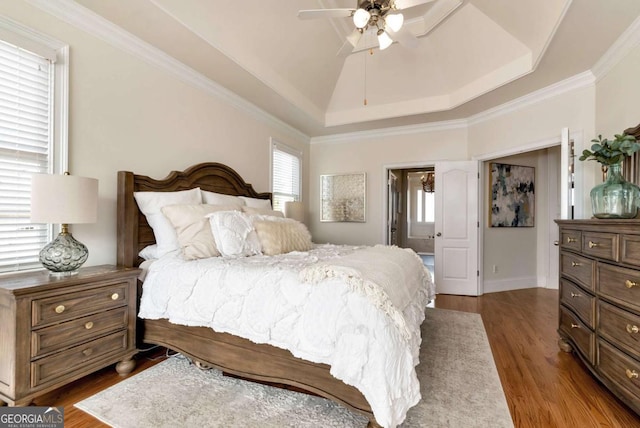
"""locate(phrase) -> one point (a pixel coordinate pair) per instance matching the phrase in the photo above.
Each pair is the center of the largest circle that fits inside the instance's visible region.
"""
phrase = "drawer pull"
(631, 329)
(59, 309)
(631, 374)
(574, 325)
(115, 296)
(576, 295)
(87, 352)
(575, 264)
(593, 244)
(88, 325)
(570, 240)
(630, 284)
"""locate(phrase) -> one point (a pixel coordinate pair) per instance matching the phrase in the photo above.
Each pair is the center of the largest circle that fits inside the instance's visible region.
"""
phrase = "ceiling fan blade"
(324, 13)
(345, 50)
(405, 38)
(404, 4)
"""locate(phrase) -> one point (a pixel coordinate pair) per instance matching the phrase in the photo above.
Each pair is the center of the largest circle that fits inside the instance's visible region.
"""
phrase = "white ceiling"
(470, 55)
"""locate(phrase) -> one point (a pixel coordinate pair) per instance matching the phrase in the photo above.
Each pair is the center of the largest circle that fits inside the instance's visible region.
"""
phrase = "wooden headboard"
(134, 233)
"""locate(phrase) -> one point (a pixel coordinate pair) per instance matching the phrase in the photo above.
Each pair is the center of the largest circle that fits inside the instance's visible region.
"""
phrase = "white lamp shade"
(361, 18)
(294, 210)
(394, 22)
(384, 40)
(63, 199)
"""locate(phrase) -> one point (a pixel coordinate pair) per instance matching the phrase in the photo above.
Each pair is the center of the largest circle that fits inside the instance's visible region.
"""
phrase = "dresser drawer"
(619, 284)
(72, 305)
(582, 303)
(49, 369)
(571, 239)
(60, 336)
(581, 335)
(620, 369)
(630, 251)
(602, 245)
(620, 328)
(579, 269)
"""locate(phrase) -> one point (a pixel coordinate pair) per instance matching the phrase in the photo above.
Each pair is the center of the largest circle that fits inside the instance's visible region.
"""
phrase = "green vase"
(615, 197)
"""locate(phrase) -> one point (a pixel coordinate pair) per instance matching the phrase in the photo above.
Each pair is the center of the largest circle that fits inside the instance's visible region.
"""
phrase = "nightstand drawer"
(582, 303)
(581, 335)
(571, 239)
(578, 268)
(49, 369)
(602, 245)
(620, 328)
(620, 369)
(72, 305)
(619, 284)
(60, 336)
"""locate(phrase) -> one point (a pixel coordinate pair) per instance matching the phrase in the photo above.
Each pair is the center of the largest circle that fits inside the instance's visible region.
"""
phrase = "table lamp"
(63, 199)
(294, 210)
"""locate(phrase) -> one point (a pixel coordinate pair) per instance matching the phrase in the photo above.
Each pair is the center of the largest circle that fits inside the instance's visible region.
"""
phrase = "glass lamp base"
(64, 255)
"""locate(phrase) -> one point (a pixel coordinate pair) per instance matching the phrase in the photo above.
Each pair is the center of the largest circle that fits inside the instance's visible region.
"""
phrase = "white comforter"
(370, 342)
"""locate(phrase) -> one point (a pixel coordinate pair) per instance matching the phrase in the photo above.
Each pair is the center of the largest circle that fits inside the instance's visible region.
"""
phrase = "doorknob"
(556, 243)
(438, 234)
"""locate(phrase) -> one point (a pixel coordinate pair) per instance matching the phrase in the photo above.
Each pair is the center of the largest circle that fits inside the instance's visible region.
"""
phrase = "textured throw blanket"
(375, 272)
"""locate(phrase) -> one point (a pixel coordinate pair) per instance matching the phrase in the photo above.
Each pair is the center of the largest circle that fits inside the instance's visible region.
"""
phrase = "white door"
(456, 221)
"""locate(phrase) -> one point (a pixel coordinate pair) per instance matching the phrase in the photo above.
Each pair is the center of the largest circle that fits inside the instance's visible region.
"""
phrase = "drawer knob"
(115, 296)
(59, 309)
(630, 284)
(570, 240)
(575, 264)
(576, 295)
(88, 325)
(574, 325)
(87, 352)
(631, 374)
(631, 329)
(593, 244)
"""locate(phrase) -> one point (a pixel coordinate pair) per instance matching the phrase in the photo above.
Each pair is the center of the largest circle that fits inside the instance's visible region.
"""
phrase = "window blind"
(286, 176)
(25, 145)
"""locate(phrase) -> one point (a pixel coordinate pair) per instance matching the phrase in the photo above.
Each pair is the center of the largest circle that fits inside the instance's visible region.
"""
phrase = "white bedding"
(280, 300)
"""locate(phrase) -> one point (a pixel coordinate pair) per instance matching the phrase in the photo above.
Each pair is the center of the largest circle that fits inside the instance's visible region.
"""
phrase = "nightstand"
(56, 330)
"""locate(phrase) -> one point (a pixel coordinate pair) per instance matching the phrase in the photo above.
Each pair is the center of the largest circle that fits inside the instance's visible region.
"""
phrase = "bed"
(230, 353)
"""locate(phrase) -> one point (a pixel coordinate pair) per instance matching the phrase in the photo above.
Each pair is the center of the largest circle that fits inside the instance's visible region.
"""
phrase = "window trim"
(277, 145)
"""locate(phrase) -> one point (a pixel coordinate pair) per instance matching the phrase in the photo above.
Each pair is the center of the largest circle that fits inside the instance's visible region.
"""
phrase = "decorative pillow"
(151, 203)
(279, 236)
(193, 230)
(263, 211)
(234, 233)
(256, 203)
(213, 198)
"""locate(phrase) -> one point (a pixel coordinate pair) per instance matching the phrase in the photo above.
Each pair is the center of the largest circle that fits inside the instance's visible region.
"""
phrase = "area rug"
(459, 382)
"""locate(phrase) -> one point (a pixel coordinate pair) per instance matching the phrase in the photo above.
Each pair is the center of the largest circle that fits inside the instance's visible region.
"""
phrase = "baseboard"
(509, 284)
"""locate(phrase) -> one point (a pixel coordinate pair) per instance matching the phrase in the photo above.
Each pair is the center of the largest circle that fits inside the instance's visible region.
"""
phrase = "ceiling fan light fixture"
(361, 18)
(384, 40)
(394, 22)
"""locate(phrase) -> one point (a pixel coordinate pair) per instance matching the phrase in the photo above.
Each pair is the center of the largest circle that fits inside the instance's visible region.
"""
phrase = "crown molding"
(628, 40)
(94, 24)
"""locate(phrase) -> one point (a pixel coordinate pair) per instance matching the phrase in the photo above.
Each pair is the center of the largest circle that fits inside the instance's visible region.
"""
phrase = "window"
(286, 166)
(33, 76)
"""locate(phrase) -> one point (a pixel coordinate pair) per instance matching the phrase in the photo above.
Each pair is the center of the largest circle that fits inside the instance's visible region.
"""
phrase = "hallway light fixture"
(428, 181)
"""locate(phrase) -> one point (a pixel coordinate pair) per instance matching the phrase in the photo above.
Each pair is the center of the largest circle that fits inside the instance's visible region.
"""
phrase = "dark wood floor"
(544, 386)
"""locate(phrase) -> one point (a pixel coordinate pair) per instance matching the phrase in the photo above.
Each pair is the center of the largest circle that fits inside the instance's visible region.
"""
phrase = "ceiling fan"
(381, 16)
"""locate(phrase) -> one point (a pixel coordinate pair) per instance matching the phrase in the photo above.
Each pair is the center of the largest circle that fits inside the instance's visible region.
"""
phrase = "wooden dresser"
(56, 330)
(599, 315)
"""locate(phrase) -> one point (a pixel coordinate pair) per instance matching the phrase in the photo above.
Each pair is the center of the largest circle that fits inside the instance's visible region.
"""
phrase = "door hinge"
(477, 273)
(478, 176)
(478, 224)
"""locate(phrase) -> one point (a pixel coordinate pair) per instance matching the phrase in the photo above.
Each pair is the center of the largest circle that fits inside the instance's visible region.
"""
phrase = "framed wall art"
(342, 197)
(512, 195)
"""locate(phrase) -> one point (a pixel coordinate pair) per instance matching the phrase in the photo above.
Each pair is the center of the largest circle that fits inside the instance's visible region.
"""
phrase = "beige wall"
(126, 114)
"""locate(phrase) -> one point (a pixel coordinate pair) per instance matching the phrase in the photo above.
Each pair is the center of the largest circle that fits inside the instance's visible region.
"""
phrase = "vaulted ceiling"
(468, 55)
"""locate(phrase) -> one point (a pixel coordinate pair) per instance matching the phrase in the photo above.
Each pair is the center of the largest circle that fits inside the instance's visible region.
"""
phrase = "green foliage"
(611, 152)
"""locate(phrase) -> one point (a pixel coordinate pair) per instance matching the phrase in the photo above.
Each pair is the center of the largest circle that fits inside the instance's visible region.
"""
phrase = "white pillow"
(150, 252)
(263, 211)
(151, 203)
(234, 233)
(193, 230)
(256, 203)
(213, 198)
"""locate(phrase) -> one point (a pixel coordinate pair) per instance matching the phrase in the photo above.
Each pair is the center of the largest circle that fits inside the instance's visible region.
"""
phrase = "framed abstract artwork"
(342, 197)
(512, 195)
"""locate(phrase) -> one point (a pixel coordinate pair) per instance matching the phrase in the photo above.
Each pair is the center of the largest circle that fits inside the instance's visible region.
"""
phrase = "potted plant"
(615, 197)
